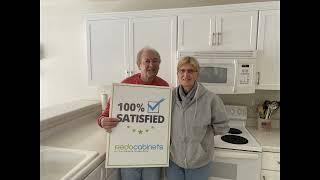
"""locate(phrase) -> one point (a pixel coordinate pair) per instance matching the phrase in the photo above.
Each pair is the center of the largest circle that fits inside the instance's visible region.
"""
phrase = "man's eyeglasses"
(153, 61)
(189, 71)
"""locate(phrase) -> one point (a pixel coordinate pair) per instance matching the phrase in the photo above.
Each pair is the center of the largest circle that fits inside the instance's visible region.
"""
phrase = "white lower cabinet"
(270, 166)
(98, 174)
(270, 175)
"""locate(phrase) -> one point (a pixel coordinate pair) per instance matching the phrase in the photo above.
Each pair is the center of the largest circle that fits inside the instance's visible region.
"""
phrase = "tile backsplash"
(251, 101)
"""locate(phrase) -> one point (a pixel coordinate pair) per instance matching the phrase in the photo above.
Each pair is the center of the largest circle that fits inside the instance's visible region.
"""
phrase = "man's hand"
(109, 123)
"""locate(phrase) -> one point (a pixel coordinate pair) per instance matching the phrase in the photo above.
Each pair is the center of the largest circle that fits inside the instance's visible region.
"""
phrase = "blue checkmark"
(156, 105)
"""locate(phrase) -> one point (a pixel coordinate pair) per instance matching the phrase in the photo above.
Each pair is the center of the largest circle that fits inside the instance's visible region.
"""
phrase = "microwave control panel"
(244, 74)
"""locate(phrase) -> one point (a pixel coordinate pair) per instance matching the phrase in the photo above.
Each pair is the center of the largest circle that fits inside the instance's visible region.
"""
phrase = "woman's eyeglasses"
(189, 71)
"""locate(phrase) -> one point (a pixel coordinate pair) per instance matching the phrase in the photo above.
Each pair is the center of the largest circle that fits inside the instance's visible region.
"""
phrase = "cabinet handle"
(263, 177)
(278, 162)
(182, 33)
(213, 39)
(258, 78)
(219, 38)
(235, 75)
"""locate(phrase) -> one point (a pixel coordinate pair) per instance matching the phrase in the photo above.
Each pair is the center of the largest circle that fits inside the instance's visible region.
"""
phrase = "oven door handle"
(235, 155)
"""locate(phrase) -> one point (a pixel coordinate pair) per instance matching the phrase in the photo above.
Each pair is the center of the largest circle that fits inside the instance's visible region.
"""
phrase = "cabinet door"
(270, 175)
(195, 32)
(160, 34)
(107, 50)
(98, 173)
(271, 161)
(237, 31)
(268, 54)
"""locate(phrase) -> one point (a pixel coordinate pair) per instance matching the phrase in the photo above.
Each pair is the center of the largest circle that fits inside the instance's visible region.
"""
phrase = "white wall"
(64, 70)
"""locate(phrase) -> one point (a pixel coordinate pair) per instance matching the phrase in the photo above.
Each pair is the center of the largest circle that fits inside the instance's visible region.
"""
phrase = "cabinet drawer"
(271, 161)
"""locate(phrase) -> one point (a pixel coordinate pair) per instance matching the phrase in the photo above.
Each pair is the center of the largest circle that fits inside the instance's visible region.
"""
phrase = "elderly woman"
(197, 116)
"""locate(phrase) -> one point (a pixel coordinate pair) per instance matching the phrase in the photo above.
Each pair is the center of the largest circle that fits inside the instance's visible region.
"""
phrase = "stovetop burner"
(233, 139)
(234, 131)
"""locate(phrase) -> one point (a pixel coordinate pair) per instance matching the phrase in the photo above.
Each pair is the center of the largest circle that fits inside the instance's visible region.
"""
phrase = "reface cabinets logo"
(137, 147)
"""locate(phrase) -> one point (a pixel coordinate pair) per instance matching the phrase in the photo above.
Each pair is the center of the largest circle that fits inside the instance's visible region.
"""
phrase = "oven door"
(218, 76)
(235, 165)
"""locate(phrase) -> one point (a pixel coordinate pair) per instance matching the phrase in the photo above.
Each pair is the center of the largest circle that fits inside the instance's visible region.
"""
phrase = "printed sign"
(142, 137)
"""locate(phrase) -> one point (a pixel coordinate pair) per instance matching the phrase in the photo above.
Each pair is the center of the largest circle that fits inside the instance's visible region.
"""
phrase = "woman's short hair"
(189, 60)
(149, 49)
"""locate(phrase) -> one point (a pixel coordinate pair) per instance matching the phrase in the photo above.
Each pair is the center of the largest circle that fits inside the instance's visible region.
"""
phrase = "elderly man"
(148, 61)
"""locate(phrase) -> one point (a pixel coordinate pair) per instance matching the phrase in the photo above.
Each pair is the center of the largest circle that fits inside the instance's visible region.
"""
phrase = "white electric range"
(237, 154)
(238, 138)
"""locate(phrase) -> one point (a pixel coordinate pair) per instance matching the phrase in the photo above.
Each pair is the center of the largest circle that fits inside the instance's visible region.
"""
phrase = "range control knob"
(239, 111)
(232, 111)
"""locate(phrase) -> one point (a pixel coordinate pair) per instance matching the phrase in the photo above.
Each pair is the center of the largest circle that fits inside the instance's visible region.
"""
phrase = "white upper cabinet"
(113, 45)
(237, 31)
(268, 50)
(159, 33)
(107, 50)
(194, 32)
(225, 31)
(114, 39)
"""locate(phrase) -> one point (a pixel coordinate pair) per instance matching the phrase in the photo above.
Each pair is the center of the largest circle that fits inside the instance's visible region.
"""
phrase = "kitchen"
(267, 87)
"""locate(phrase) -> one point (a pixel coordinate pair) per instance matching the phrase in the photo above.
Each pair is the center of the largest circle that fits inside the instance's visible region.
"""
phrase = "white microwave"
(226, 72)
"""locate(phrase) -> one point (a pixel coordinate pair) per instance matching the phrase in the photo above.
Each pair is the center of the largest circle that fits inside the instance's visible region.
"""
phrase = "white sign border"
(107, 163)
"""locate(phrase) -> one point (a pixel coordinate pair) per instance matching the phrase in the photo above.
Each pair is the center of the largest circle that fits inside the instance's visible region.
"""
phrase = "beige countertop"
(269, 140)
(59, 114)
(62, 109)
(81, 133)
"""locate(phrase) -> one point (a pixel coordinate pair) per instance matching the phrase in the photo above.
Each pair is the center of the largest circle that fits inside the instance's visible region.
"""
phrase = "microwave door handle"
(235, 75)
